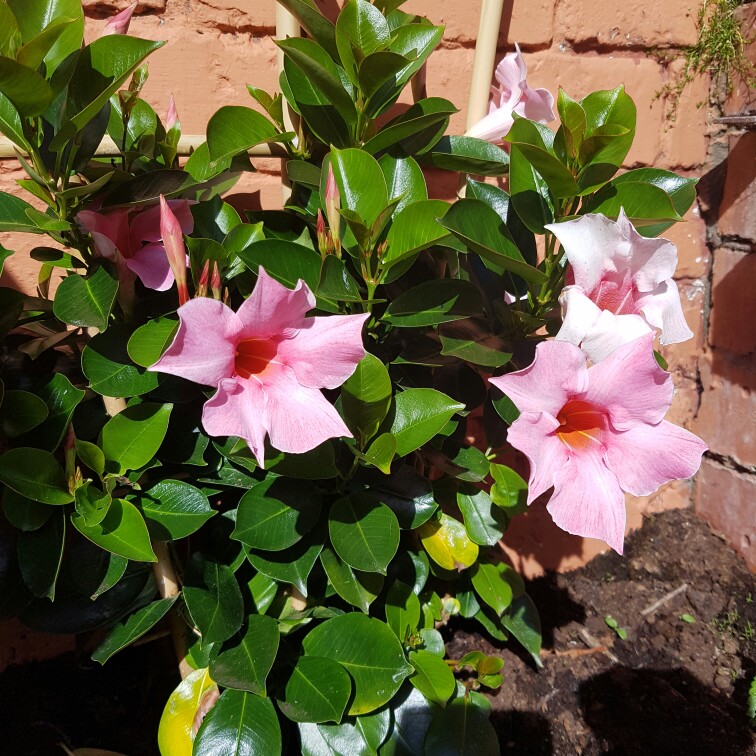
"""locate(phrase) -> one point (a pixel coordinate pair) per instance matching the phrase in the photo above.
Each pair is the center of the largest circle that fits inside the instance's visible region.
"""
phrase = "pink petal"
(651, 261)
(493, 127)
(298, 418)
(579, 314)
(647, 456)
(630, 386)
(510, 72)
(150, 263)
(172, 120)
(557, 373)
(536, 104)
(238, 409)
(662, 309)
(113, 226)
(610, 332)
(325, 351)
(204, 348)
(274, 310)
(145, 227)
(119, 24)
(587, 500)
(533, 434)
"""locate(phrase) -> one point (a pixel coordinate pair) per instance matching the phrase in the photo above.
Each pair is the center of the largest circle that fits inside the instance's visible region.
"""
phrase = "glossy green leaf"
(122, 531)
(402, 610)
(357, 588)
(148, 342)
(36, 474)
(369, 652)
(239, 724)
(530, 194)
(361, 29)
(378, 71)
(244, 662)
(408, 494)
(509, 491)
(434, 302)
(523, 621)
(314, 23)
(412, 714)
(482, 231)
(644, 204)
(317, 690)
(131, 438)
(26, 89)
(10, 124)
(115, 570)
(484, 522)
(364, 532)
(91, 455)
(234, 129)
(468, 155)
(381, 452)
(472, 341)
(23, 513)
(40, 553)
(13, 215)
(275, 514)
(415, 228)
(418, 415)
(463, 729)
(61, 398)
(213, 599)
(86, 302)
(404, 178)
(21, 411)
(432, 676)
(174, 509)
(285, 261)
(361, 184)
(125, 633)
(92, 503)
(366, 397)
(491, 587)
(36, 49)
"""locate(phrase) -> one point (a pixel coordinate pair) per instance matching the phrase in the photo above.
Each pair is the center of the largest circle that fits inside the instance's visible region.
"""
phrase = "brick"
(580, 75)
(732, 312)
(618, 23)
(105, 8)
(726, 499)
(683, 357)
(689, 236)
(743, 98)
(231, 15)
(726, 420)
(449, 76)
(685, 401)
(737, 210)
(21, 645)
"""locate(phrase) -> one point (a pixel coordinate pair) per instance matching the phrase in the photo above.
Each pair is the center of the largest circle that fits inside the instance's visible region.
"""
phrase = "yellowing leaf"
(447, 543)
(177, 731)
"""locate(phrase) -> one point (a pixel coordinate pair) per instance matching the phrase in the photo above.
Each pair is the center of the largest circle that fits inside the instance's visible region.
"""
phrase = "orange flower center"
(581, 425)
(253, 356)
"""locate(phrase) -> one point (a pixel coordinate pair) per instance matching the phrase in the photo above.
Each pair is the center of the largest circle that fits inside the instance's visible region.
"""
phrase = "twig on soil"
(664, 599)
(573, 652)
(592, 643)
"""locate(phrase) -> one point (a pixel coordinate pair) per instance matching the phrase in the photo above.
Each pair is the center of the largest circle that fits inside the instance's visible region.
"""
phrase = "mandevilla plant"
(254, 428)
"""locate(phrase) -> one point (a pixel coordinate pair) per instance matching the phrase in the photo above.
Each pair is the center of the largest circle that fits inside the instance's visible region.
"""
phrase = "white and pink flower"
(512, 95)
(268, 362)
(592, 433)
(620, 285)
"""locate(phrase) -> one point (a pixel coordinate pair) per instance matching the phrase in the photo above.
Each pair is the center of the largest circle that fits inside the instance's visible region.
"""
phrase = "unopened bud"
(216, 284)
(204, 281)
(171, 117)
(332, 204)
(322, 235)
(119, 24)
(69, 455)
(173, 241)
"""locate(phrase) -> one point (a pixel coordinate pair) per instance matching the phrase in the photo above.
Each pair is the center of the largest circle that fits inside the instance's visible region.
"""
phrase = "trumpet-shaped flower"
(512, 95)
(592, 433)
(119, 24)
(134, 243)
(268, 362)
(620, 285)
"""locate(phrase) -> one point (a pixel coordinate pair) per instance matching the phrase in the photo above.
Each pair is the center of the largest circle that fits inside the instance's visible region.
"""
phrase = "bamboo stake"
(286, 26)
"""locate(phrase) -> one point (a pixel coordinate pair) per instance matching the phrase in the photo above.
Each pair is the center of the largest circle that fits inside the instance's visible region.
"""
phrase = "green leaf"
(522, 620)
(10, 124)
(318, 690)
(369, 652)
(415, 228)
(131, 438)
(239, 724)
(234, 129)
(36, 474)
(125, 633)
(404, 178)
(447, 543)
(529, 192)
(30, 94)
(402, 610)
(379, 71)
(174, 509)
(148, 342)
(21, 411)
(91, 455)
(381, 452)
(91, 503)
(361, 29)
(40, 553)
(432, 676)
(360, 181)
(573, 119)
(314, 23)
(408, 494)
(122, 531)
(357, 588)
(366, 397)
(13, 215)
(419, 414)
(509, 491)
(61, 398)
(484, 523)
(35, 50)
(23, 513)
(374, 727)
(245, 662)
(470, 340)
(412, 713)
(468, 155)
(86, 302)
(434, 302)
(463, 729)
(364, 532)
(116, 567)
(481, 230)
(107, 366)
(275, 514)
(491, 587)
(644, 204)
(285, 261)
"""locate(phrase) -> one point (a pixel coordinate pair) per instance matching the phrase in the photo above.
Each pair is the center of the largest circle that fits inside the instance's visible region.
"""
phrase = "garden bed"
(677, 686)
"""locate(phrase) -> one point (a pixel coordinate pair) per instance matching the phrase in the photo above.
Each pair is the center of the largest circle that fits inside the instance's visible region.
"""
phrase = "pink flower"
(268, 362)
(621, 285)
(171, 117)
(119, 24)
(513, 95)
(121, 238)
(592, 433)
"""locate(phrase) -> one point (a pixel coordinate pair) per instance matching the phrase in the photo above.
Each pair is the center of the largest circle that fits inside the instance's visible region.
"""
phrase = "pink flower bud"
(204, 281)
(332, 204)
(119, 24)
(173, 240)
(171, 117)
(216, 284)
(322, 235)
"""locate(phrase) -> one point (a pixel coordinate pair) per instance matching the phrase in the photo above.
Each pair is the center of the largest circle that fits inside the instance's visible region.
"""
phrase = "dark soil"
(672, 687)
